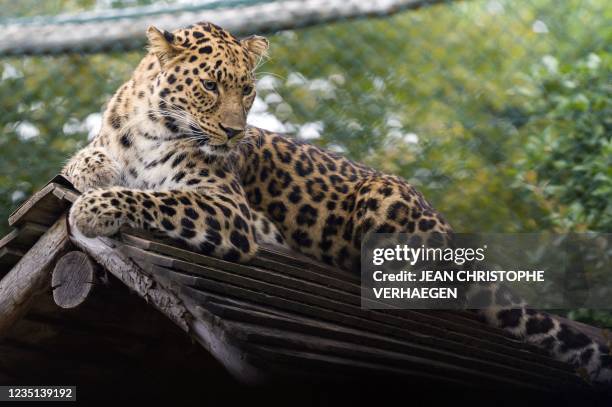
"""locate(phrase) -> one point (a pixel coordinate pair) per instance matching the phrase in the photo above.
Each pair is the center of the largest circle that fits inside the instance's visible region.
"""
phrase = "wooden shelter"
(68, 310)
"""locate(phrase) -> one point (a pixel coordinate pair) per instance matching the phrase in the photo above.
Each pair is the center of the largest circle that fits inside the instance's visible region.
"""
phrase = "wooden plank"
(306, 273)
(232, 309)
(240, 270)
(44, 206)
(254, 335)
(27, 207)
(299, 260)
(476, 329)
(65, 194)
(258, 321)
(468, 346)
(461, 321)
(31, 274)
(289, 262)
(296, 261)
(187, 255)
(257, 281)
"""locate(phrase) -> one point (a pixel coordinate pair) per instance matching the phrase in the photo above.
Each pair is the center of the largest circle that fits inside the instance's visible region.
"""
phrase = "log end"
(73, 279)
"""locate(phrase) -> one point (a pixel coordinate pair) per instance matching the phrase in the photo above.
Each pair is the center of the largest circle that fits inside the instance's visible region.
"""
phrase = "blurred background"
(499, 111)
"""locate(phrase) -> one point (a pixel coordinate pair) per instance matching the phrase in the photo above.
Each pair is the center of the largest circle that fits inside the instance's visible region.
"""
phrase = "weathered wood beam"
(31, 274)
(44, 206)
(73, 279)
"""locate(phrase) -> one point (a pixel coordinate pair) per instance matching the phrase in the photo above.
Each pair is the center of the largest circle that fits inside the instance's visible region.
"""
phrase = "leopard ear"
(161, 43)
(257, 47)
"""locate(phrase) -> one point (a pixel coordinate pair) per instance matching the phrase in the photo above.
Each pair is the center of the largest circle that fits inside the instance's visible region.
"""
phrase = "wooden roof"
(283, 315)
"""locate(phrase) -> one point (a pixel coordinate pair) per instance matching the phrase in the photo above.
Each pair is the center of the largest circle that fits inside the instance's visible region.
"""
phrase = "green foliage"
(566, 170)
(45, 102)
(568, 164)
(592, 317)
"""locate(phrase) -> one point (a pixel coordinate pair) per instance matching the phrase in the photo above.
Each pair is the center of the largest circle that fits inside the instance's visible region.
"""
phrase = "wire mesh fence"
(445, 94)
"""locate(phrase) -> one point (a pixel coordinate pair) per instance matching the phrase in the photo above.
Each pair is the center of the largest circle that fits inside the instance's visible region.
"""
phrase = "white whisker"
(270, 74)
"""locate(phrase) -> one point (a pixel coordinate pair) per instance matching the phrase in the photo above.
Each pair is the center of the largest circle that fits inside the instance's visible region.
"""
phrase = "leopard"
(175, 155)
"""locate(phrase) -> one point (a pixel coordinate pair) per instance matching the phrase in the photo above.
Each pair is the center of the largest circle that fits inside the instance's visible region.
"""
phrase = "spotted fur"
(175, 155)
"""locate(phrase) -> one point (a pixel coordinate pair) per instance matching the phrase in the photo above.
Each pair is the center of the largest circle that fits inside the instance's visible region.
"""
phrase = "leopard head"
(206, 83)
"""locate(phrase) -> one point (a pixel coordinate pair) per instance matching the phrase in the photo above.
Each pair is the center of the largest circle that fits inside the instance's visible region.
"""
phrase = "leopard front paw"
(92, 168)
(97, 213)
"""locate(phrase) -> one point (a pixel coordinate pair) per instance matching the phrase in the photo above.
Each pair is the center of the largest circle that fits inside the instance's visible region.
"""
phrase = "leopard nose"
(230, 132)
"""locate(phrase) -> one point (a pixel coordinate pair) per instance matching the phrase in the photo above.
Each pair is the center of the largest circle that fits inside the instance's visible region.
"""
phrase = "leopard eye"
(247, 90)
(210, 85)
